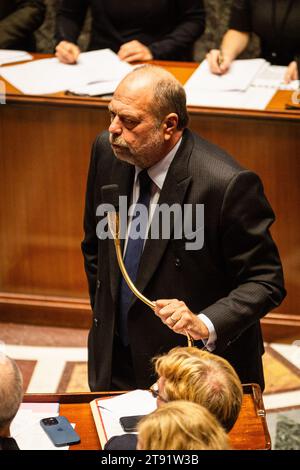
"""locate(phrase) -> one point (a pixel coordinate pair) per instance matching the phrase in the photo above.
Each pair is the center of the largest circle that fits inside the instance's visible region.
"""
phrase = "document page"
(8, 56)
(137, 402)
(238, 78)
(47, 76)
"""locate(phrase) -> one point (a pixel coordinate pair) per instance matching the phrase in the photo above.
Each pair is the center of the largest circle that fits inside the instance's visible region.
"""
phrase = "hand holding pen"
(219, 63)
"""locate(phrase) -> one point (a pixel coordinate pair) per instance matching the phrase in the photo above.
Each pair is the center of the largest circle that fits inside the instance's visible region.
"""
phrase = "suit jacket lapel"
(173, 191)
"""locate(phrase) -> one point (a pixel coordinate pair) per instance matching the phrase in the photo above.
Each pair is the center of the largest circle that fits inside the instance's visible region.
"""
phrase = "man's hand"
(133, 51)
(178, 317)
(292, 72)
(219, 63)
(67, 52)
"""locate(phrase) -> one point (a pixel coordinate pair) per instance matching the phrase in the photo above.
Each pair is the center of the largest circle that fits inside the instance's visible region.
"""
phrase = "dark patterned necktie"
(134, 250)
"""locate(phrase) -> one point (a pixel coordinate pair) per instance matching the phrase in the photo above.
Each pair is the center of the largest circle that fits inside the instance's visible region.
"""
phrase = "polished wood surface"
(45, 144)
(250, 431)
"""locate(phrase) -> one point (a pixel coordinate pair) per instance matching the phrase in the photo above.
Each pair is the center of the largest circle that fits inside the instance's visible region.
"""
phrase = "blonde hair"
(181, 425)
(201, 377)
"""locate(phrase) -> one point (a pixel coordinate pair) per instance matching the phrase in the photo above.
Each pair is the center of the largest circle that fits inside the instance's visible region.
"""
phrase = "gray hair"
(11, 390)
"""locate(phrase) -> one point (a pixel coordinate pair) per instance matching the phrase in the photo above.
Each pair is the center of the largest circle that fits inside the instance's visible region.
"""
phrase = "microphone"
(110, 195)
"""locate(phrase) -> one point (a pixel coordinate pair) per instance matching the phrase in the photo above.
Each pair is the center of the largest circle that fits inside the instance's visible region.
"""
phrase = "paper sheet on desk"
(253, 98)
(50, 76)
(238, 78)
(8, 56)
(138, 402)
(26, 428)
(273, 76)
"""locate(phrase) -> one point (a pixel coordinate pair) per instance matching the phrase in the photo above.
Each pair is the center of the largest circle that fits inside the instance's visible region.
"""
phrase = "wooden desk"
(250, 431)
(45, 144)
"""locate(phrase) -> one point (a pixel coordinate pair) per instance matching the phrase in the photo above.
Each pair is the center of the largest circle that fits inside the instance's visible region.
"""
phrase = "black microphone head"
(110, 195)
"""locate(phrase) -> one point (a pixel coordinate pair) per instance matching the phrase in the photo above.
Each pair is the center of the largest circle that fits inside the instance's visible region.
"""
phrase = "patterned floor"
(49, 366)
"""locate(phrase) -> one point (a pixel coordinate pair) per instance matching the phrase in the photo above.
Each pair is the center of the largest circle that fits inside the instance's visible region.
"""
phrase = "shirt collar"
(158, 172)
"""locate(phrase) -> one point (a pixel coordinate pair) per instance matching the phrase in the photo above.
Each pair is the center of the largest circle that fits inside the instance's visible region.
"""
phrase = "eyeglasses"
(155, 392)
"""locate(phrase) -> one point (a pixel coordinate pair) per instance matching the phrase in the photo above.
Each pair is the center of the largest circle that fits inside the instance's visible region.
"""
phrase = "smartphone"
(60, 431)
(129, 423)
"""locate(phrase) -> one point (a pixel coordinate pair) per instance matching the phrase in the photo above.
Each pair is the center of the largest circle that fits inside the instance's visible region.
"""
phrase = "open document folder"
(108, 411)
(51, 76)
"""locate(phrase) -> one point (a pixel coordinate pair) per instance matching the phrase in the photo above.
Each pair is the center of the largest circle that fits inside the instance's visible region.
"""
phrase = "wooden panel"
(43, 168)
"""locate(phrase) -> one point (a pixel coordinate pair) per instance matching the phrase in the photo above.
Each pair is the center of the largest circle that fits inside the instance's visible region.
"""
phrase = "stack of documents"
(249, 84)
(8, 56)
(51, 76)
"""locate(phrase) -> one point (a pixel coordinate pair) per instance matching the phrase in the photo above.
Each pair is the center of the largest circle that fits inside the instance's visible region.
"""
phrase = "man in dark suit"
(218, 288)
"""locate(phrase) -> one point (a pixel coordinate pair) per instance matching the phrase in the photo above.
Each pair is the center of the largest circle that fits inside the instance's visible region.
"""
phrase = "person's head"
(181, 425)
(191, 374)
(11, 392)
(148, 115)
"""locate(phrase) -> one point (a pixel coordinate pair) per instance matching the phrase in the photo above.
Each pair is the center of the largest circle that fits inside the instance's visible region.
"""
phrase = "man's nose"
(115, 126)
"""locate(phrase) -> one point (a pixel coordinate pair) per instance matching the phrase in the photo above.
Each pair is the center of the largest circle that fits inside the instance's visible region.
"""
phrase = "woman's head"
(181, 425)
(201, 377)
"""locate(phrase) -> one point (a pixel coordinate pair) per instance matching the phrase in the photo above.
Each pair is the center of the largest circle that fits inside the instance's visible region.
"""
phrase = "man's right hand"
(219, 63)
(67, 52)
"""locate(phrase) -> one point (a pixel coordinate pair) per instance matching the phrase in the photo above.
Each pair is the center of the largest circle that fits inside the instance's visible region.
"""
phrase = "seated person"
(18, 20)
(181, 425)
(160, 29)
(11, 394)
(277, 26)
(191, 374)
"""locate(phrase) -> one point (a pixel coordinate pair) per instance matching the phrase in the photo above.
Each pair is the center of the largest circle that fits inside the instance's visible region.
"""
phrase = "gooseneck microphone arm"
(110, 195)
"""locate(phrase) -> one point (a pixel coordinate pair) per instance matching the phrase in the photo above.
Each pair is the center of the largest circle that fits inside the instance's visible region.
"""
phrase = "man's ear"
(170, 125)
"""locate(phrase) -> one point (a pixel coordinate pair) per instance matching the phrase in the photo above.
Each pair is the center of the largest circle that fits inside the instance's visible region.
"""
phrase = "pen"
(220, 58)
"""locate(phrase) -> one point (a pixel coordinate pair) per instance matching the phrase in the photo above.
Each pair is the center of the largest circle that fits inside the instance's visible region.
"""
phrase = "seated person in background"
(191, 374)
(181, 425)
(136, 31)
(11, 394)
(18, 20)
(277, 24)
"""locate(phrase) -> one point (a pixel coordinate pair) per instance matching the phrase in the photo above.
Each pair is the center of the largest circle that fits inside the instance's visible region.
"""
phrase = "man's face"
(136, 136)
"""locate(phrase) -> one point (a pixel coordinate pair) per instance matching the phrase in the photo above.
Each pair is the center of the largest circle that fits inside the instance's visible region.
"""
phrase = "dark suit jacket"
(8, 443)
(123, 442)
(235, 279)
(18, 20)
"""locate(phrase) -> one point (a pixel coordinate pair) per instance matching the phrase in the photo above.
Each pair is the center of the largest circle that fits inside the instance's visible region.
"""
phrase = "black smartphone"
(60, 431)
(129, 423)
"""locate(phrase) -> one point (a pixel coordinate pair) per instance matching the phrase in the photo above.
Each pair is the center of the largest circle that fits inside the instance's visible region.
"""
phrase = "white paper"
(253, 98)
(138, 402)
(50, 76)
(273, 76)
(8, 56)
(238, 78)
(96, 89)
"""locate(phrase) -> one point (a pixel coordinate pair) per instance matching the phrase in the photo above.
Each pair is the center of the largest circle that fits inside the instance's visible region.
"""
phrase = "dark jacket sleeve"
(25, 19)
(251, 259)
(69, 19)
(89, 245)
(189, 28)
(240, 17)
